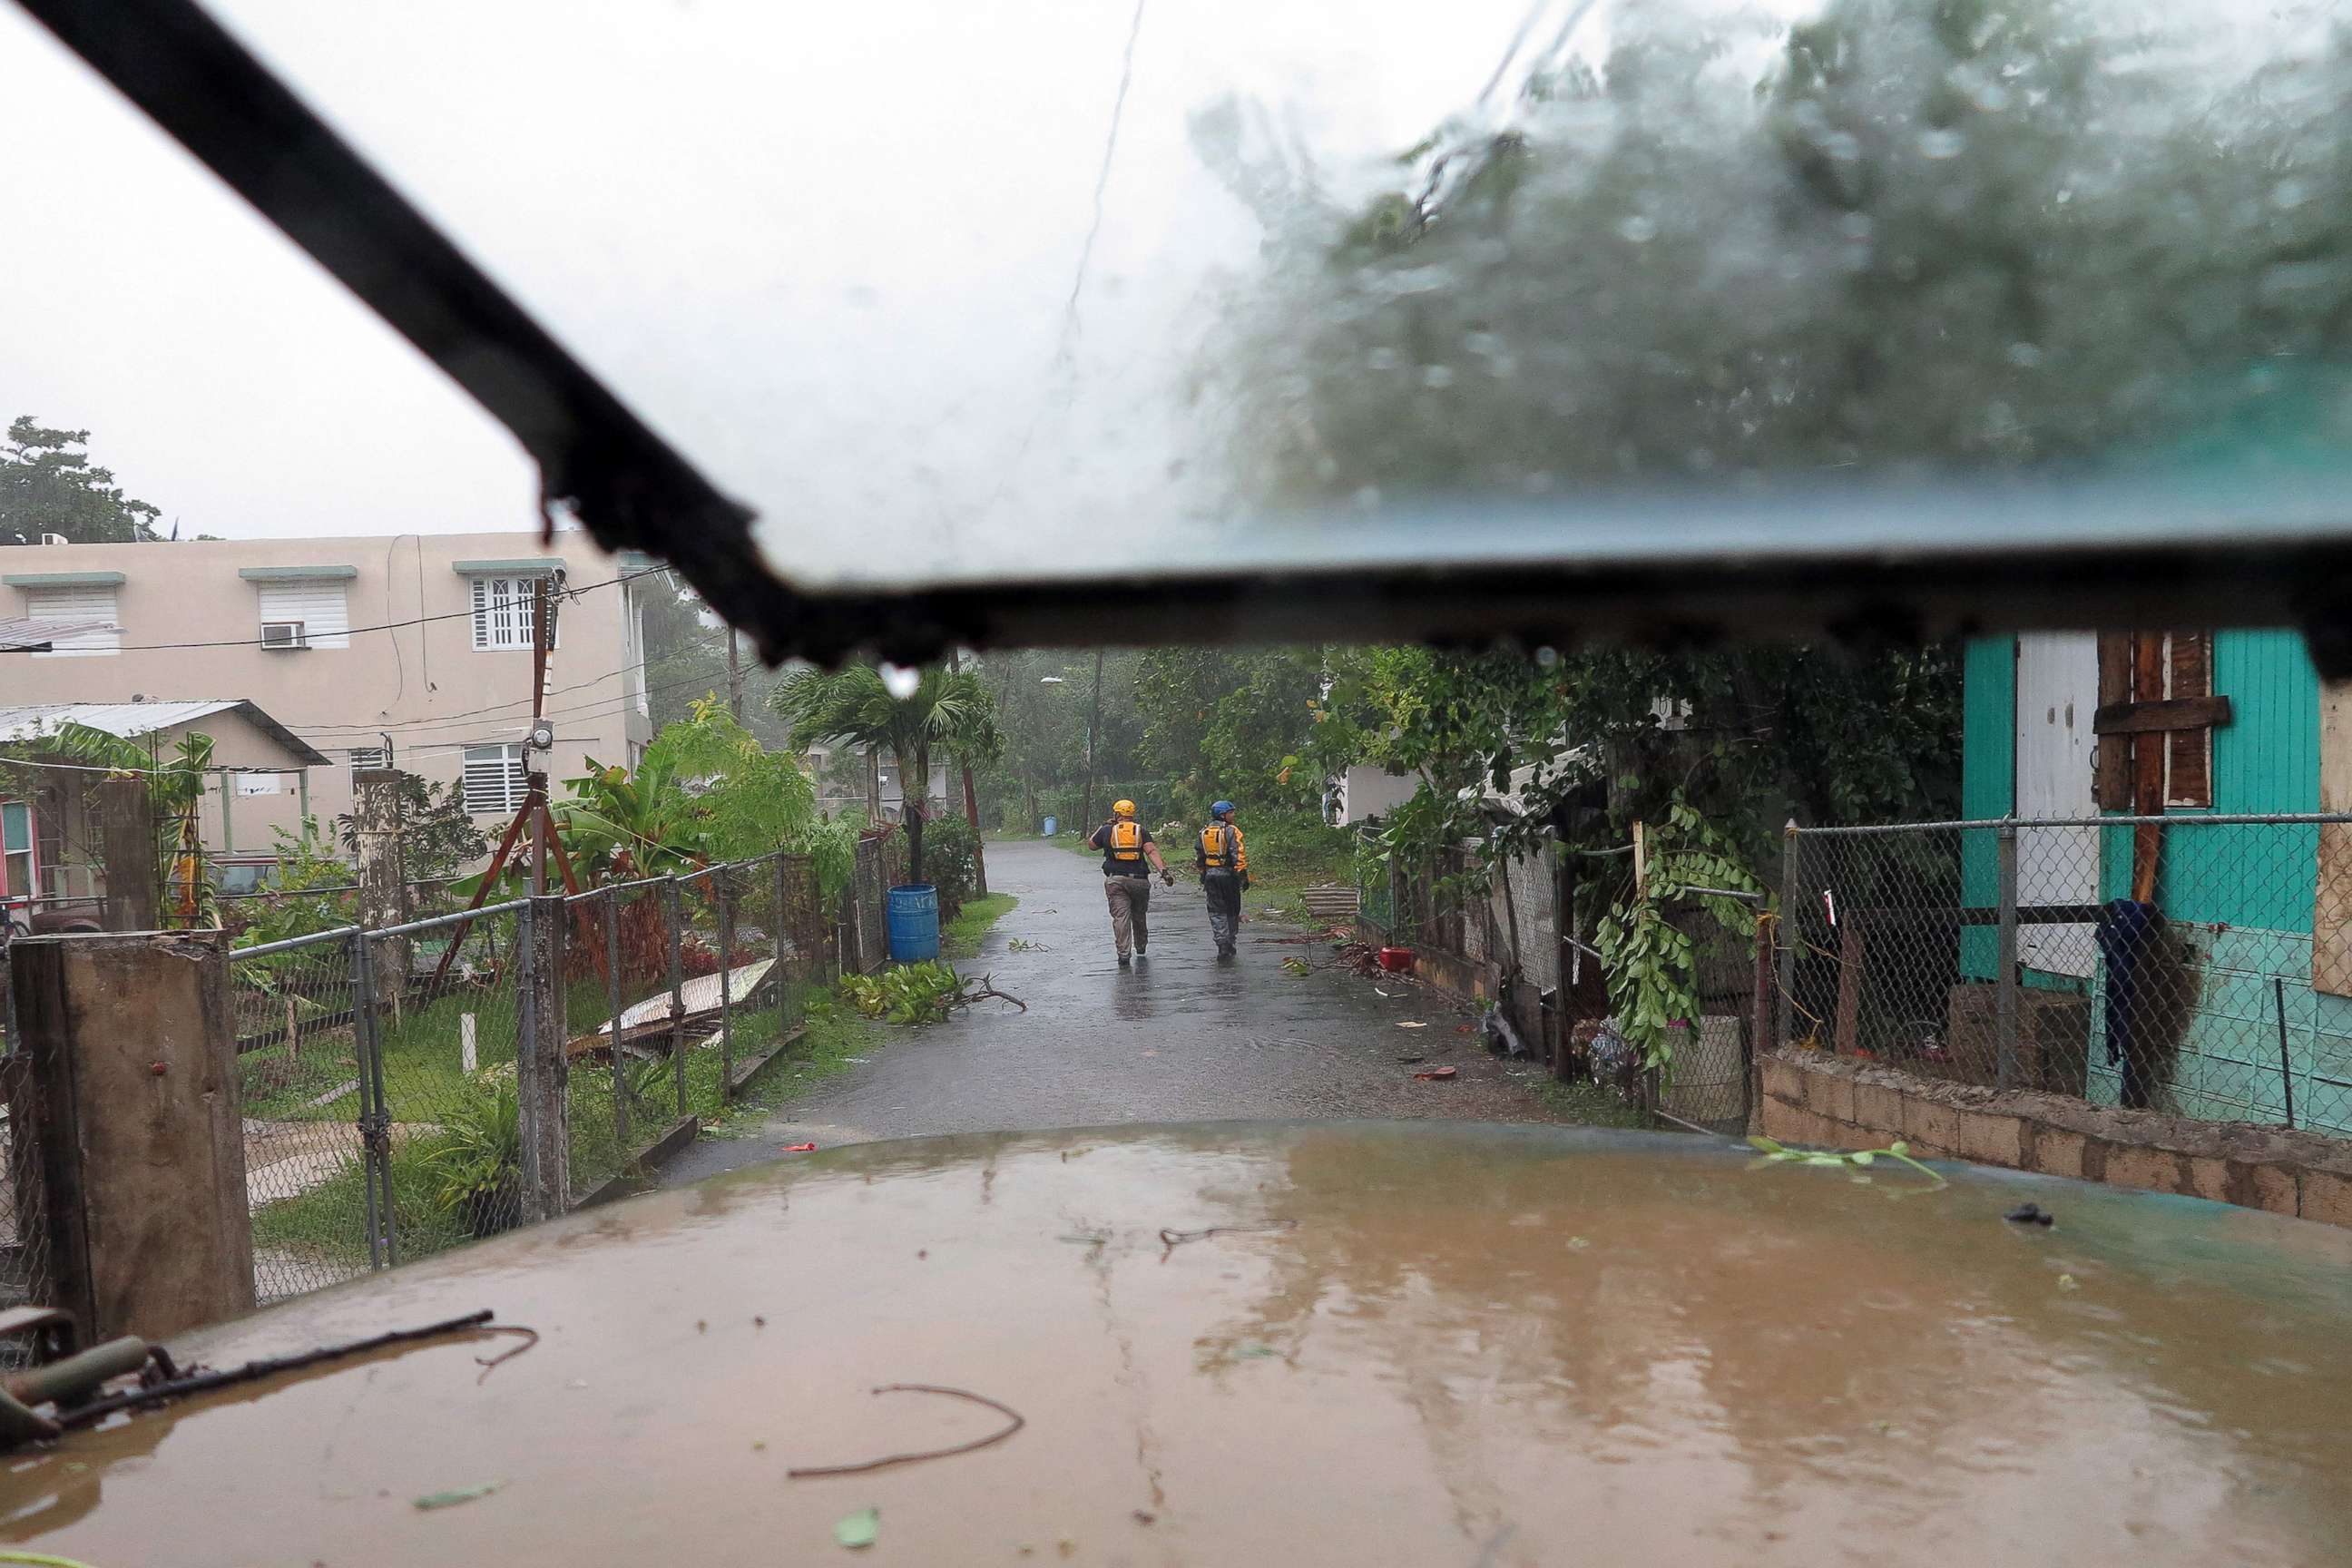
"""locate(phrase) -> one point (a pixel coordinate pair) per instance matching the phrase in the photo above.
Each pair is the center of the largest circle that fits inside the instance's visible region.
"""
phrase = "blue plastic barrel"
(1052, 824)
(915, 922)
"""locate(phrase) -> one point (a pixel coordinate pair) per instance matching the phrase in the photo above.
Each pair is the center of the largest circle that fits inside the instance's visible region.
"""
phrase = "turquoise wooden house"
(2256, 1007)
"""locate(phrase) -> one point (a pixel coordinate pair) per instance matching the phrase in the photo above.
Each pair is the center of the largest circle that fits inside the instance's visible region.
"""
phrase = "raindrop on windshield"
(899, 681)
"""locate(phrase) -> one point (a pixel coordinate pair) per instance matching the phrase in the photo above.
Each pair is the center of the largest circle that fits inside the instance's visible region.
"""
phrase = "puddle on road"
(1544, 1346)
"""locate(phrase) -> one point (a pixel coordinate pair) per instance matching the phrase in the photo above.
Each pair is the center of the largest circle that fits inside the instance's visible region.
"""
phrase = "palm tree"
(948, 709)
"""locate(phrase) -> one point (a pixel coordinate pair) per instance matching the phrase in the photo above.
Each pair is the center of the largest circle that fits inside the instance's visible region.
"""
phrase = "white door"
(2057, 693)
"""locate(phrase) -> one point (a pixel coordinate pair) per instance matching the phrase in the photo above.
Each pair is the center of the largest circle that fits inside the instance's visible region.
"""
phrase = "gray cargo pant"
(1224, 890)
(1131, 907)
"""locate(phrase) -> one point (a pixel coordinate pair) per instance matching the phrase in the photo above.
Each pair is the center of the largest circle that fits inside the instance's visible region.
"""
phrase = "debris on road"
(451, 1498)
(800, 1148)
(1437, 1074)
(1014, 1420)
(1417, 1023)
(1172, 1239)
(860, 1530)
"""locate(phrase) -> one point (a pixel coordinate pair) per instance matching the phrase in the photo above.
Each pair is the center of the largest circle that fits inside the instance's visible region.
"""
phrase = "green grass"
(424, 1081)
(835, 1036)
(1588, 1105)
(959, 938)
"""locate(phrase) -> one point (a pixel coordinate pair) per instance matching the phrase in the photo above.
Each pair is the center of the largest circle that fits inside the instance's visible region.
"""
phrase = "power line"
(448, 721)
(386, 626)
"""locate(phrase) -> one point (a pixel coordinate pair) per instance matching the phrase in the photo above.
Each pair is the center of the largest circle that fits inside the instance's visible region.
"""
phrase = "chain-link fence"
(26, 1277)
(305, 1088)
(383, 1118)
(2198, 964)
(1527, 926)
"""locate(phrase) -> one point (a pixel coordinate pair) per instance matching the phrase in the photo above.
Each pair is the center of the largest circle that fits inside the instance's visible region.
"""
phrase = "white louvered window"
(494, 778)
(364, 757)
(78, 604)
(502, 612)
(317, 604)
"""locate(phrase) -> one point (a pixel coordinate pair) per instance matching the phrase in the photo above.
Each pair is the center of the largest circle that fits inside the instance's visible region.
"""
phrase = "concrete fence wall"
(1811, 1098)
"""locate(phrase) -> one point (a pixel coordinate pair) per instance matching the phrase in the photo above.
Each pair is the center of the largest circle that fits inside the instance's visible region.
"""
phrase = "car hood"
(1304, 1343)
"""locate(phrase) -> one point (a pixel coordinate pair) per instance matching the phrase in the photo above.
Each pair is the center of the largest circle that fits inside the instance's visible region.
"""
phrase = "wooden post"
(130, 1063)
(543, 1070)
(734, 677)
(126, 842)
(384, 877)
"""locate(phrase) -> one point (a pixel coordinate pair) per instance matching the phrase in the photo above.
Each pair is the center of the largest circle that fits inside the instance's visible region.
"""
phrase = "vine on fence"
(1650, 968)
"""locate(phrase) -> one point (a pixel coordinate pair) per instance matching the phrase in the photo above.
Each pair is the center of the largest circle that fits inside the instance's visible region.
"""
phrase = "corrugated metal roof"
(25, 720)
(20, 634)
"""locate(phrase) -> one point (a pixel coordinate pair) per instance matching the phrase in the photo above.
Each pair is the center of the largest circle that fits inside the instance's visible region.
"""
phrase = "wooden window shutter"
(2189, 779)
(2112, 782)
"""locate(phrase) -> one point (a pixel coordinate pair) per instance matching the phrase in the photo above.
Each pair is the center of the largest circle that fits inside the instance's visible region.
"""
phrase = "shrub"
(951, 861)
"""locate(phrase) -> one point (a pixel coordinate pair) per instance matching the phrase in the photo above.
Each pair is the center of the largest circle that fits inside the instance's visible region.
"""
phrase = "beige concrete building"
(418, 642)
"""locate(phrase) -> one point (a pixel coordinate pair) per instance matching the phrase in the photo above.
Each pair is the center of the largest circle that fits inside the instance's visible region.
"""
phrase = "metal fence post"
(2004, 1036)
(1790, 932)
(374, 1125)
(724, 880)
(612, 1029)
(674, 916)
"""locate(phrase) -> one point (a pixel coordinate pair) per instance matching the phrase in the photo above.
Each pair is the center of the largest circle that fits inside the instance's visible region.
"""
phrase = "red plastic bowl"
(1396, 960)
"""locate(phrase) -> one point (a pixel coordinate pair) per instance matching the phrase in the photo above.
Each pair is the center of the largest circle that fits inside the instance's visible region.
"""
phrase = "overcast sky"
(828, 250)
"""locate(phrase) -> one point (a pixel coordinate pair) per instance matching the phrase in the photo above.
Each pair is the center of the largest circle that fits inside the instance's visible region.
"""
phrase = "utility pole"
(1094, 721)
(971, 803)
(874, 785)
(734, 676)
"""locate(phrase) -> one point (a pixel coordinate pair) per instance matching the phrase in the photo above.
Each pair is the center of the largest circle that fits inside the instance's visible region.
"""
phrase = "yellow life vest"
(1217, 846)
(1127, 839)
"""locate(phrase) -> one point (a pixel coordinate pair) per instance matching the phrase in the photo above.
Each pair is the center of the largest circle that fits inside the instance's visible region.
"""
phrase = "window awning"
(297, 573)
(64, 579)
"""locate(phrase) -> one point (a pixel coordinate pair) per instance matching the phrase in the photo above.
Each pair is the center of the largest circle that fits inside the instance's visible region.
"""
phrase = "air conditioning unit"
(282, 635)
(55, 539)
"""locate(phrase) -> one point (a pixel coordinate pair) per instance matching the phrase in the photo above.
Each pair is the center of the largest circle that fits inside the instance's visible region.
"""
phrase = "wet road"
(1179, 1037)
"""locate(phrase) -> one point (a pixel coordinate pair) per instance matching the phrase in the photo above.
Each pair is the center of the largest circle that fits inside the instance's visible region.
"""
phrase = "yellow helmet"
(1122, 809)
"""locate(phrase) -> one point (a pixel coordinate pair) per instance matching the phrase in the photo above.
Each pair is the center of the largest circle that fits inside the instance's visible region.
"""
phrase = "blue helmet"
(1223, 808)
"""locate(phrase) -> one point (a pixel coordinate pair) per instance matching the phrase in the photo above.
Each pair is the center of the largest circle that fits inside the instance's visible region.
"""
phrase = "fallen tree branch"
(987, 989)
(1014, 1422)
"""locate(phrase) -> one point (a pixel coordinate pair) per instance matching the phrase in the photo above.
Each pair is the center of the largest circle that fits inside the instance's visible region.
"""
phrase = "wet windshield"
(941, 292)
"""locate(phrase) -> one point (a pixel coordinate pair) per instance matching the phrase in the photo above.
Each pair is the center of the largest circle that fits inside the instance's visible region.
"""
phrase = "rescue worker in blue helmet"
(1223, 862)
(1126, 845)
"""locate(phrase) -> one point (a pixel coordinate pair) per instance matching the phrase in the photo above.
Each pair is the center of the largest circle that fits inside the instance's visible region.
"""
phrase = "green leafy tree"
(1043, 699)
(946, 710)
(437, 836)
(1229, 723)
(48, 485)
(686, 659)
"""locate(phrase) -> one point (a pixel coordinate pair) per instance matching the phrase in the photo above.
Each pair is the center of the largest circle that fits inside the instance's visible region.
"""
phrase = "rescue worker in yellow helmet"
(1126, 845)
(1223, 862)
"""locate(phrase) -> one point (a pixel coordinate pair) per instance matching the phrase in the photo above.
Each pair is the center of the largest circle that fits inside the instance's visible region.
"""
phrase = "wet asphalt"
(1179, 1037)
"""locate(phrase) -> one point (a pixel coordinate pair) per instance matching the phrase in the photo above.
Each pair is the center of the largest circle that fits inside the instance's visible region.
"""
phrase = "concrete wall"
(424, 684)
(1835, 1102)
(1373, 792)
